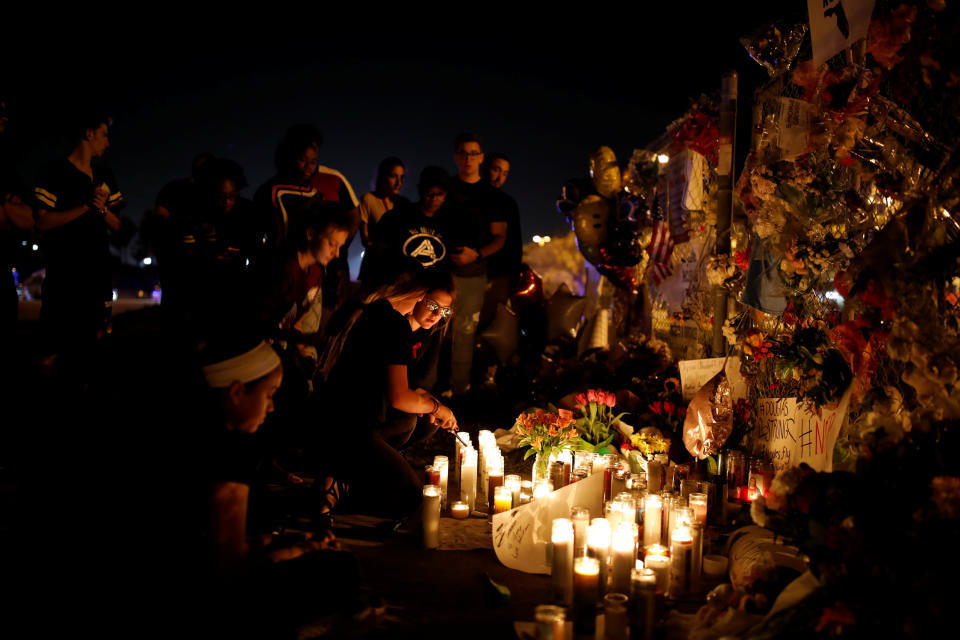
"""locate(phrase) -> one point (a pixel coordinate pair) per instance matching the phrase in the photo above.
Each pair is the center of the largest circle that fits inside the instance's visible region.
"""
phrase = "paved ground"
(444, 591)
(440, 591)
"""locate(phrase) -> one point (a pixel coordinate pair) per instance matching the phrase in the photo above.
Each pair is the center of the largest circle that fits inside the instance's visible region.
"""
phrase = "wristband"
(436, 406)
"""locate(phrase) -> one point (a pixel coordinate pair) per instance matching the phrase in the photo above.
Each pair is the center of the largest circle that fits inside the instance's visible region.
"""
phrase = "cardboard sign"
(796, 121)
(684, 190)
(685, 263)
(836, 25)
(521, 535)
(791, 434)
(695, 373)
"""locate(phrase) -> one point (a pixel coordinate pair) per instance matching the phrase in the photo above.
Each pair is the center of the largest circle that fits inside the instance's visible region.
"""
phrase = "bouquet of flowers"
(649, 444)
(809, 359)
(596, 419)
(668, 416)
(546, 433)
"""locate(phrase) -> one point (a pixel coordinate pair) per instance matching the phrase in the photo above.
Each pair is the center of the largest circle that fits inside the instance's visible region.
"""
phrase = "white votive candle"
(611, 511)
(599, 464)
(598, 546)
(462, 442)
(526, 491)
(442, 463)
(624, 557)
(512, 482)
(587, 578)
(698, 501)
(580, 516)
(468, 478)
(460, 510)
(660, 565)
(431, 516)
(584, 460)
(542, 489)
(643, 590)
(652, 515)
(681, 561)
(562, 569)
(666, 521)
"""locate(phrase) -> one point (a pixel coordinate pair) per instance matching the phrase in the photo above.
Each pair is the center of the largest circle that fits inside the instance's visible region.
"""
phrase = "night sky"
(546, 91)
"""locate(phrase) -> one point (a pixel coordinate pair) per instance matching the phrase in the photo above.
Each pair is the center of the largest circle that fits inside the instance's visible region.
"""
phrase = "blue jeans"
(466, 315)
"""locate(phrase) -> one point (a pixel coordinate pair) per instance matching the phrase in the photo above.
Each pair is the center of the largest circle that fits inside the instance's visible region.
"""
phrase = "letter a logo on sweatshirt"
(425, 248)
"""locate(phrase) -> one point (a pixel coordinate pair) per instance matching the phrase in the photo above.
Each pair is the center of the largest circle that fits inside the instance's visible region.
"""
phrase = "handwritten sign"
(696, 373)
(790, 433)
(793, 135)
(521, 536)
(685, 263)
(837, 24)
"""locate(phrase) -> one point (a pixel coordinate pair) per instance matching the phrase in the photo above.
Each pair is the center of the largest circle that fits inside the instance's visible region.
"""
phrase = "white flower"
(758, 511)
(787, 481)
(730, 333)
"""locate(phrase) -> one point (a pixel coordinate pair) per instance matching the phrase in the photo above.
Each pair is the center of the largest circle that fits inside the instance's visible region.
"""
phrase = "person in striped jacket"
(77, 202)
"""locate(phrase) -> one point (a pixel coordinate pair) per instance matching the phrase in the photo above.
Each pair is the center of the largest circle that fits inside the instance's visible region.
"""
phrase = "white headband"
(246, 367)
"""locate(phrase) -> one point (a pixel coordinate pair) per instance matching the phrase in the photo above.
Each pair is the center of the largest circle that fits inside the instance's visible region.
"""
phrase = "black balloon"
(611, 234)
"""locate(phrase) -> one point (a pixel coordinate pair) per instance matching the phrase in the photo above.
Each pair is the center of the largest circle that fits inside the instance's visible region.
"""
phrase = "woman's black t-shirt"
(356, 390)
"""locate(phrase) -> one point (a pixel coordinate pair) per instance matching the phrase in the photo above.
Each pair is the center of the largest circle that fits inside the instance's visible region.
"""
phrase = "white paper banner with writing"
(696, 373)
(790, 433)
(521, 535)
(837, 24)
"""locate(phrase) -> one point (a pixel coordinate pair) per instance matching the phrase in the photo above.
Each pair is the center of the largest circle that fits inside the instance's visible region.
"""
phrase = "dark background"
(546, 89)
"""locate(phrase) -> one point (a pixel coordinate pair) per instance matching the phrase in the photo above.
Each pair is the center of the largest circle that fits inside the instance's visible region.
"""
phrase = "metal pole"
(728, 131)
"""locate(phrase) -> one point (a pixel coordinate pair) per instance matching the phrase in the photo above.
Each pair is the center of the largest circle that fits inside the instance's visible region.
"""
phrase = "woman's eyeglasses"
(433, 307)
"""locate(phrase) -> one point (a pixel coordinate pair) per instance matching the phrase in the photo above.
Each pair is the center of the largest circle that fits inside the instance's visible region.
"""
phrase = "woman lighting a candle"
(367, 360)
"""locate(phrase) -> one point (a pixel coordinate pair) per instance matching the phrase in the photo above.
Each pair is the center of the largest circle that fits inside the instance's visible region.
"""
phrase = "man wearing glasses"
(479, 231)
(503, 268)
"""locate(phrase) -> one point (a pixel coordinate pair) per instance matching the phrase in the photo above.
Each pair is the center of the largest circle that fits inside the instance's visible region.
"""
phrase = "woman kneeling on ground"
(367, 382)
(428, 321)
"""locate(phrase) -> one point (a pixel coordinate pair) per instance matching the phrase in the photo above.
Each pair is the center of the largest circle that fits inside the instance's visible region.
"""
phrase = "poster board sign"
(836, 25)
(696, 373)
(790, 433)
(795, 123)
(521, 535)
(685, 263)
(684, 190)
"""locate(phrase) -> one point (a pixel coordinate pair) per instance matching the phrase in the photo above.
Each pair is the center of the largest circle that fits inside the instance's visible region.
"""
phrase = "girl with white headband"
(270, 583)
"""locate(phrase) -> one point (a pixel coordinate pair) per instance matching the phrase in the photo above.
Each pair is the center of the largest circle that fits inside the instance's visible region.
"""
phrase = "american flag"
(661, 248)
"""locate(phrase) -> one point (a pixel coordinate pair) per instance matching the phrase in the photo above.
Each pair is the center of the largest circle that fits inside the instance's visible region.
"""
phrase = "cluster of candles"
(479, 475)
(746, 479)
(647, 543)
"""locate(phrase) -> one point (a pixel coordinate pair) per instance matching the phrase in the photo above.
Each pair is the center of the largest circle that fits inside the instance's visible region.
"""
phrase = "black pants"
(382, 482)
(403, 429)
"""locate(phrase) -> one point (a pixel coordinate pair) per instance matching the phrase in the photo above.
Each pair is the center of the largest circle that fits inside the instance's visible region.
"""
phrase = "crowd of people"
(263, 364)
